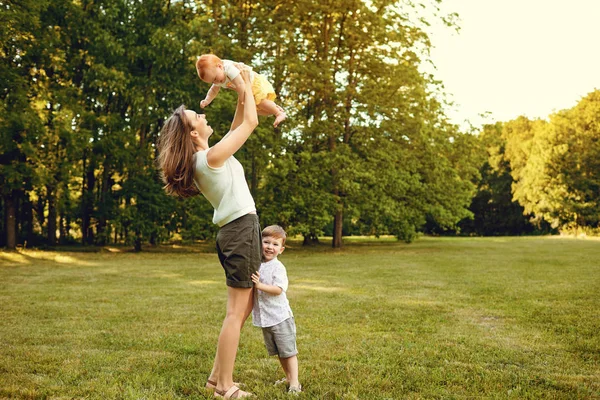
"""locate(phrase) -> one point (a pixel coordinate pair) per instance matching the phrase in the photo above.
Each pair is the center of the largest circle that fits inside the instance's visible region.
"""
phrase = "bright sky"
(517, 57)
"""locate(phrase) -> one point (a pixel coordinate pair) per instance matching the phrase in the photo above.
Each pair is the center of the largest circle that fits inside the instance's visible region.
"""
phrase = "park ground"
(379, 319)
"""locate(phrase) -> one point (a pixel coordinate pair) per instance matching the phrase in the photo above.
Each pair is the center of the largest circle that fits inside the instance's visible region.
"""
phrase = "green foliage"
(494, 210)
(366, 147)
(366, 100)
(575, 162)
(291, 196)
(20, 125)
(147, 213)
(555, 165)
(194, 219)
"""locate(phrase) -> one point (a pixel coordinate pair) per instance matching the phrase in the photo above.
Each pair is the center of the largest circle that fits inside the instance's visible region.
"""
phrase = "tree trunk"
(11, 220)
(125, 231)
(65, 215)
(137, 243)
(2, 223)
(310, 240)
(105, 186)
(27, 219)
(87, 198)
(336, 243)
(50, 192)
(62, 230)
(39, 209)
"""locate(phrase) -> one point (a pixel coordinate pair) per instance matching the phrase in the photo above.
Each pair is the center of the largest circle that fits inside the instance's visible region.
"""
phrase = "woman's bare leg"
(239, 306)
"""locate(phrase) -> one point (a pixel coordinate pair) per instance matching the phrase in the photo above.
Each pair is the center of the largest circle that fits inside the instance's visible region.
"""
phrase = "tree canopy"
(367, 148)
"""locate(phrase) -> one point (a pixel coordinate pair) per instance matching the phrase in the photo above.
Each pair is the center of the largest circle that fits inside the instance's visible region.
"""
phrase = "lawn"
(439, 318)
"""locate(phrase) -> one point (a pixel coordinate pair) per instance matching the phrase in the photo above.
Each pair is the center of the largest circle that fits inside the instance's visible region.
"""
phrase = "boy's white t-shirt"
(231, 72)
(270, 310)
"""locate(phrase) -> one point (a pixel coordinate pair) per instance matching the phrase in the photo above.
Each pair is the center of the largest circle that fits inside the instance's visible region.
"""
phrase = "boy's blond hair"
(205, 61)
(275, 231)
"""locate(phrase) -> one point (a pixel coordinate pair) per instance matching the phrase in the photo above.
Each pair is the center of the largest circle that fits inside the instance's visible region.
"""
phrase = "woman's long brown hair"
(175, 155)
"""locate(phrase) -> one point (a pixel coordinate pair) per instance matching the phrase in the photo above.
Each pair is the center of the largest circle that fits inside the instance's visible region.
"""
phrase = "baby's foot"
(279, 118)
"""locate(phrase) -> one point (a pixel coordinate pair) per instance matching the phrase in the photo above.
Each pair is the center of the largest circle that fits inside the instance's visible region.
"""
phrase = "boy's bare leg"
(270, 108)
(290, 367)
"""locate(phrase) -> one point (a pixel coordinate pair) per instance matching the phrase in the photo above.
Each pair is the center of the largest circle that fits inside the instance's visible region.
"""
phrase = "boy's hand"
(256, 279)
(204, 103)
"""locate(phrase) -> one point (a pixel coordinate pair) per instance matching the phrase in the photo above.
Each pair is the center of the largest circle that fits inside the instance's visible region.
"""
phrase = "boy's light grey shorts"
(280, 339)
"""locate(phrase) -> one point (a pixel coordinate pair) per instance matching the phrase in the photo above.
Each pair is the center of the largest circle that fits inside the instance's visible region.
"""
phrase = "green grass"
(439, 318)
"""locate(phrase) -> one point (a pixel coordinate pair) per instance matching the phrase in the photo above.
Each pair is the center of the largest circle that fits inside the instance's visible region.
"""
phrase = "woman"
(190, 166)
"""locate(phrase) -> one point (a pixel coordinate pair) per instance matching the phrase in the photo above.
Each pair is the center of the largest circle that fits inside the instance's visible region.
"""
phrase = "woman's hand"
(245, 73)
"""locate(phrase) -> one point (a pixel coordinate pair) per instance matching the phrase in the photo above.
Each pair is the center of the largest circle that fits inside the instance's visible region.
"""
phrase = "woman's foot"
(212, 385)
(233, 392)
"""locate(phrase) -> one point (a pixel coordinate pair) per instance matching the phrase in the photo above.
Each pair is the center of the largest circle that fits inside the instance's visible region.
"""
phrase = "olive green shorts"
(239, 248)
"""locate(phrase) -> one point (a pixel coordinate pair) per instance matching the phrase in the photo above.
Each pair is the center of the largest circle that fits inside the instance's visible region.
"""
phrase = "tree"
(494, 210)
(527, 153)
(554, 165)
(367, 100)
(574, 163)
(19, 122)
(366, 144)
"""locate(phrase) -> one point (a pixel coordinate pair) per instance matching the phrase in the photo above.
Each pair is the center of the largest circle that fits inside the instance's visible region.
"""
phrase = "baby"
(225, 73)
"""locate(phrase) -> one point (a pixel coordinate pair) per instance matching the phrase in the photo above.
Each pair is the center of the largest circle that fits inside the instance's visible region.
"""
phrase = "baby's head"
(210, 69)
(273, 242)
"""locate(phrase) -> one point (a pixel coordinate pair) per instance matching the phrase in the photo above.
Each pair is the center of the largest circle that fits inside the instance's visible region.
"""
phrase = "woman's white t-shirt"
(225, 188)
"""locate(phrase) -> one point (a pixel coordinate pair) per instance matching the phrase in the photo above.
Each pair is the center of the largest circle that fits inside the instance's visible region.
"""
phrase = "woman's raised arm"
(243, 124)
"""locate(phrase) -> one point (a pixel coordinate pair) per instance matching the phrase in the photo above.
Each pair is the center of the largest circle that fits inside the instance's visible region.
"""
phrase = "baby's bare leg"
(268, 107)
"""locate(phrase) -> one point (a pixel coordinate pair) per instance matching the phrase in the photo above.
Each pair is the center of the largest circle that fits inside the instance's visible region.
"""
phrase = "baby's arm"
(239, 85)
(210, 95)
(271, 289)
